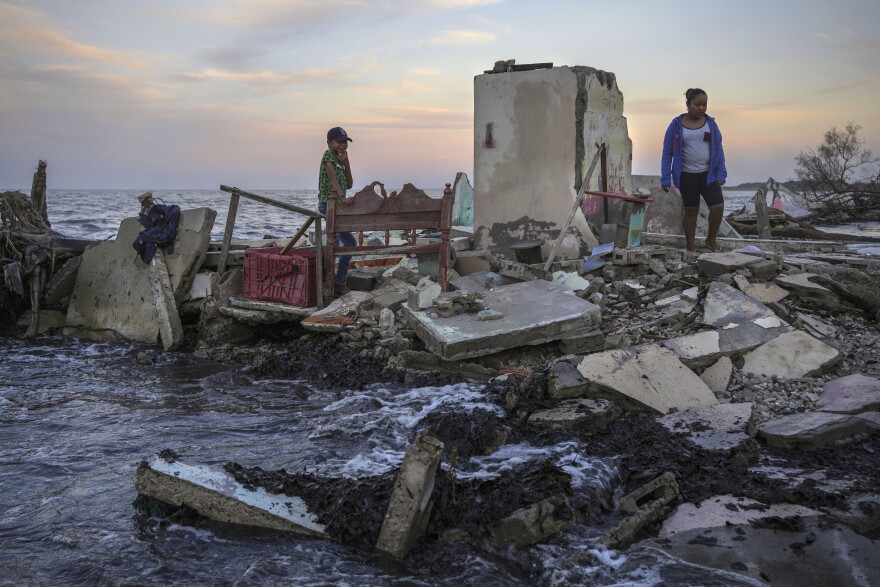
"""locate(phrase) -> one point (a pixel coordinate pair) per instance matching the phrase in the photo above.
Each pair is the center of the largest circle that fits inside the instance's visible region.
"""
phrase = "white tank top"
(695, 149)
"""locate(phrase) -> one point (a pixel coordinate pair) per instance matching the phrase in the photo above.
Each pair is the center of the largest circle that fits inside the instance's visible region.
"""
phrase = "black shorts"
(693, 185)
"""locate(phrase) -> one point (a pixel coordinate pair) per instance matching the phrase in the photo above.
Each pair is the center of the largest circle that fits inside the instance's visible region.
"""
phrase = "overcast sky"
(164, 94)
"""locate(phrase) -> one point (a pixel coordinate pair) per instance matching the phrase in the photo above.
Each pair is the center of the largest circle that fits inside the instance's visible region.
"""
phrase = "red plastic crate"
(288, 278)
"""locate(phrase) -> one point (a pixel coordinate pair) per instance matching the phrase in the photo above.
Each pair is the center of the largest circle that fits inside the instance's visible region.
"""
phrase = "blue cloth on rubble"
(160, 229)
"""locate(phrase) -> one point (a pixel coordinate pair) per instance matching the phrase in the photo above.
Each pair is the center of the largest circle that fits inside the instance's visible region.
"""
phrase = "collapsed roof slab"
(216, 494)
(649, 378)
(534, 312)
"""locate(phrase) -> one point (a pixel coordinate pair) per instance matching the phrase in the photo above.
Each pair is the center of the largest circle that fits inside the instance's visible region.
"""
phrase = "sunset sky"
(192, 94)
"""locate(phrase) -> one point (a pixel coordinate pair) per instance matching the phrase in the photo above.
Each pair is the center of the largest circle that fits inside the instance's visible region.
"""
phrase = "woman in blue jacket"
(693, 159)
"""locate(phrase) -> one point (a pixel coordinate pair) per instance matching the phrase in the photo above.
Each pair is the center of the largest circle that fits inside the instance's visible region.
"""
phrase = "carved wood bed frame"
(411, 209)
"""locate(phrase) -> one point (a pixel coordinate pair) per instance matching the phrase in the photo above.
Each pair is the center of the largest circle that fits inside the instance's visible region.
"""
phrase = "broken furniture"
(630, 218)
(311, 215)
(410, 210)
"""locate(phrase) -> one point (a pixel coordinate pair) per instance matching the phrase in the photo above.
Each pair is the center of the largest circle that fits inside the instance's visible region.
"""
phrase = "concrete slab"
(482, 281)
(583, 342)
(702, 349)
(535, 523)
(534, 312)
(409, 510)
(801, 286)
(717, 376)
(721, 263)
(565, 381)
(725, 305)
(723, 510)
(793, 355)
(113, 295)
(170, 328)
(852, 394)
(810, 430)
(766, 293)
(649, 378)
(577, 415)
(815, 326)
(815, 554)
(723, 428)
(215, 494)
(337, 315)
(190, 247)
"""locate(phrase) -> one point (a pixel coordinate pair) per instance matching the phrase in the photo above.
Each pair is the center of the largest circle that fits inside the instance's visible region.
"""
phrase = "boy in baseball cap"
(334, 178)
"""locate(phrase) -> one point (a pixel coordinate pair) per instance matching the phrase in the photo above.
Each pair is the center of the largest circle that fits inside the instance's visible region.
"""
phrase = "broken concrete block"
(809, 430)
(815, 326)
(214, 493)
(190, 248)
(662, 490)
(535, 523)
(577, 415)
(764, 270)
(725, 305)
(362, 279)
(714, 264)
(425, 361)
(852, 394)
(113, 293)
(793, 355)
(468, 262)
(565, 381)
(724, 510)
(422, 295)
(801, 286)
(572, 280)
(721, 428)
(582, 343)
(170, 328)
(535, 312)
(702, 349)
(410, 507)
(650, 377)
(201, 287)
(766, 293)
(717, 377)
(337, 314)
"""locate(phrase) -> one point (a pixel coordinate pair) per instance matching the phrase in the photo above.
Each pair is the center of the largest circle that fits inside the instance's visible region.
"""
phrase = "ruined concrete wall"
(535, 133)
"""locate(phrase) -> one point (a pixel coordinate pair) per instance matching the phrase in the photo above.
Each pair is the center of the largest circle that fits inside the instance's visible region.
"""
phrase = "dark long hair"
(693, 93)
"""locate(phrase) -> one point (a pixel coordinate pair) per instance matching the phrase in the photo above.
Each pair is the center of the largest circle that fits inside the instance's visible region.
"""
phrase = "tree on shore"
(840, 174)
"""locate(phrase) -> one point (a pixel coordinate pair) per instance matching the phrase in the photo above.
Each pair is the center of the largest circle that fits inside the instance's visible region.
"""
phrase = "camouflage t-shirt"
(325, 188)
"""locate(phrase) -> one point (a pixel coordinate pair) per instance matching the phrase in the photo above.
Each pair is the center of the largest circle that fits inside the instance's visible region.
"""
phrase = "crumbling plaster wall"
(545, 124)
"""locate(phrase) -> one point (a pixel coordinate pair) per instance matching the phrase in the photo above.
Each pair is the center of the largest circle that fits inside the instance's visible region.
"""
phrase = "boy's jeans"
(342, 239)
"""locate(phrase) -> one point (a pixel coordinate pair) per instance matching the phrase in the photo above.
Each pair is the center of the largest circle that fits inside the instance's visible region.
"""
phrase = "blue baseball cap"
(338, 134)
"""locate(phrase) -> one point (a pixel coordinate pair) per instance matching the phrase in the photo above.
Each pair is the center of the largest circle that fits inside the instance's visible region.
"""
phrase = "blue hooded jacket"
(672, 146)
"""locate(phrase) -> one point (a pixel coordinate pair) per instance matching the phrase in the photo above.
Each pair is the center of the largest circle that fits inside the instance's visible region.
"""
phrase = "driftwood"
(29, 252)
(851, 295)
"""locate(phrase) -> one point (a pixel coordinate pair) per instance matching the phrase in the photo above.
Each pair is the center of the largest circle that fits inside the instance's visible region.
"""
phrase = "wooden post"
(227, 234)
(577, 204)
(762, 214)
(319, 263)
(298, 235)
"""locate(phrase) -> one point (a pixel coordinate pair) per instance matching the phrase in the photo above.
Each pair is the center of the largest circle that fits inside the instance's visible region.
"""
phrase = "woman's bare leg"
(690, 227)
(716, 213)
